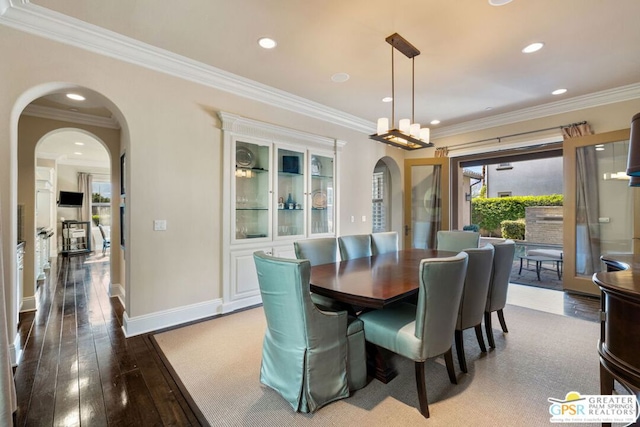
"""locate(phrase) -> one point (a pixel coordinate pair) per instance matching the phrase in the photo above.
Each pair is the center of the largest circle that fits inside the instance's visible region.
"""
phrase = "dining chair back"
(474, 298)
(456, 240)
(423, 331)
(310, 357)
(106, 241)
(354, 246)
(320, 251)
(384, 242)
(498, 286)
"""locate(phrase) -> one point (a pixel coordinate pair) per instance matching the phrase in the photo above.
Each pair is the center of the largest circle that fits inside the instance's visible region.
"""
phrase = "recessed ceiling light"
(79, 143)
(499, 2)
(267, 43)
(558, 92)
(599, 148)
(488, 109)
(78, 153)
(435, 122)
(75, 97)
(533, 47)
(340, 77)
(387, 99)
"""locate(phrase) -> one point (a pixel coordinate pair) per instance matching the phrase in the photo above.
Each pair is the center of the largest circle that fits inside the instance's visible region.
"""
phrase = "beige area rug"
(543, 355)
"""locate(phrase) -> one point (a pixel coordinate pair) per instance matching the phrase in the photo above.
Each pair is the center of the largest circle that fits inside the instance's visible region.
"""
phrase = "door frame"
(444, 191)
(570, 281)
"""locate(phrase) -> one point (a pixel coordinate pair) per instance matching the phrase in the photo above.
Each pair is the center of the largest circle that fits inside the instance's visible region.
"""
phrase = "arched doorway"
(37, 113)
(386, 198)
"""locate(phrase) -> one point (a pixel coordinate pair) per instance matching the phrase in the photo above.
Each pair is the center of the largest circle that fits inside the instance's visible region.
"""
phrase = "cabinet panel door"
(289, 192)
(251, 191)
(244, 278)
(322, 194)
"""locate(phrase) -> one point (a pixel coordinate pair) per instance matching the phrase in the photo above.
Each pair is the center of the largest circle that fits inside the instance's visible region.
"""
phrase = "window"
(377, 202)
(101, 203)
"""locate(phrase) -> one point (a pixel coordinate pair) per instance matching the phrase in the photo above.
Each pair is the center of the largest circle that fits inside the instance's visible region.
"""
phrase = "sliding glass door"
(426, 200)
(598, 206)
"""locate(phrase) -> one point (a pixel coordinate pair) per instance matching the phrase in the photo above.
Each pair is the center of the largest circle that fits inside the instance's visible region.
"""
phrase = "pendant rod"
(393, 93)
(413, 89)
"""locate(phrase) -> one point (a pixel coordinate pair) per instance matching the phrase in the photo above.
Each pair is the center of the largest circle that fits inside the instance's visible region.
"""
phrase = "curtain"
(433, 205)
(587, 200)
(442, 152)
(8, 401)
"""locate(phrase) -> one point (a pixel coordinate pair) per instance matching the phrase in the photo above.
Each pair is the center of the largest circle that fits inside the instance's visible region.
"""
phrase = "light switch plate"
(160, 225)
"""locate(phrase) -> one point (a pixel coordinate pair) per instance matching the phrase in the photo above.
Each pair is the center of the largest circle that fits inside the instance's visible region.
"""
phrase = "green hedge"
(489, 213)
(513, 229)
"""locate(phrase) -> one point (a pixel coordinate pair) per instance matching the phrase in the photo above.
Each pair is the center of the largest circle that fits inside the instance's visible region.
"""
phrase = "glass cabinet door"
(251, 191)
(321, 169)
(290, 191)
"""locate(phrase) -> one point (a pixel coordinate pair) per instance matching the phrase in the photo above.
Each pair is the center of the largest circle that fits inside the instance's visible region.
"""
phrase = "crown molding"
(611, 96)
(25, 16)
(43, 22)
(70, 116)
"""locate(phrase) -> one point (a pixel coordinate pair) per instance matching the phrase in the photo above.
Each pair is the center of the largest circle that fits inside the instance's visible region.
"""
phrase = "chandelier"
(408, 135)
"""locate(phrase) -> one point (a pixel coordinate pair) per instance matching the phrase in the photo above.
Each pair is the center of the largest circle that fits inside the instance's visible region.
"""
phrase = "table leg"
(538, 268)
(377, 365)
(558, 270)
(520, 271)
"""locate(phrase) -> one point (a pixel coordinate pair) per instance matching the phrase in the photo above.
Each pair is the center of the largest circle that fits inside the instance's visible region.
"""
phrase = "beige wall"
(173, 145)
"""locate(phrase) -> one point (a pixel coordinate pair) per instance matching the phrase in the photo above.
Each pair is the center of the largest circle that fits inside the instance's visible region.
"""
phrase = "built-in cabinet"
(280, 185)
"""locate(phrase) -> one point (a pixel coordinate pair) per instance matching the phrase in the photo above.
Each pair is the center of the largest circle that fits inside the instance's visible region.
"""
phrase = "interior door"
(598, 206)
(426, 189)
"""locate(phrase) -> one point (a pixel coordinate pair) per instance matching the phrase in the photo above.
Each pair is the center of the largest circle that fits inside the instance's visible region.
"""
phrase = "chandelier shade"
(408, 135)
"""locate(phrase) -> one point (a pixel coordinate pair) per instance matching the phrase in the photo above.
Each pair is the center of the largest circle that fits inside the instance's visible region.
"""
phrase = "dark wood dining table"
(373, 283)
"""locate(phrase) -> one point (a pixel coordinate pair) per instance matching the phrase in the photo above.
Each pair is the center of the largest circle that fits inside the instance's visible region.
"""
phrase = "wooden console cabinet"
(619, 345)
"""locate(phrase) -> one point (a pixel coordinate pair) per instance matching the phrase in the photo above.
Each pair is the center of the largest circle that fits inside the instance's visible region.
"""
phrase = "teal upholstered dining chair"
(310, 357)
(320, 251)
(474, 298)
(381, 243)
(354, 246)
(425, 330)
(456, 240)
(498, 286)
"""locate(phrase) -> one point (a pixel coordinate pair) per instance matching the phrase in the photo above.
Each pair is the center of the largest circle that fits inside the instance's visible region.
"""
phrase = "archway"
(387, 203)
(31, 120)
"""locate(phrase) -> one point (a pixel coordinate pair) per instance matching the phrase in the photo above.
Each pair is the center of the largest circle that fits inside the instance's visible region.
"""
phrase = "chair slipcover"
(498, 286)
(381, 243)
(320, 251)
(317, 251)
(456, 240)
(422, 331)
(305, 351)
(356, 246)
(474, 298)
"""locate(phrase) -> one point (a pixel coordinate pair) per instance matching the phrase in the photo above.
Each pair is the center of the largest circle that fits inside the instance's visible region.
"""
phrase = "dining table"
(373, 283)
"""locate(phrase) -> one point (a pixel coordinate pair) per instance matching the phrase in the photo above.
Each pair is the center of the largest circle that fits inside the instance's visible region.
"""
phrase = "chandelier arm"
(393, 92)
(413, 89)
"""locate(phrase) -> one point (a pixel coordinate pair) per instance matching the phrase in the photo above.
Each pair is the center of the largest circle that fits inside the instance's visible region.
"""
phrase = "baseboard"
(133, 326)
(117, 290)
(230, 306)
(15, 351)
(28, 304)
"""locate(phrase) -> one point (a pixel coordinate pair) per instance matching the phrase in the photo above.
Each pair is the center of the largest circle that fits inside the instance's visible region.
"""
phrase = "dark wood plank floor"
(79, 369)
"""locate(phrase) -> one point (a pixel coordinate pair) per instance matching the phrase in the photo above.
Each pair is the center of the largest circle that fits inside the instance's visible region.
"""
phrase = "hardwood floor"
(79, 369)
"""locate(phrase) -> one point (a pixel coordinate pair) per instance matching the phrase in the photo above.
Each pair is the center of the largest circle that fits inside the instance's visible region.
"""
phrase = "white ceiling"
(470, 67)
